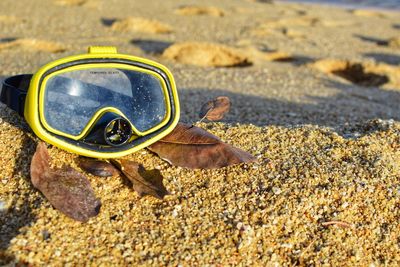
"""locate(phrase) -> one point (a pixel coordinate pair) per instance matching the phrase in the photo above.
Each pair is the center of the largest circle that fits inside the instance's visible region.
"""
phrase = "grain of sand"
(325, 189)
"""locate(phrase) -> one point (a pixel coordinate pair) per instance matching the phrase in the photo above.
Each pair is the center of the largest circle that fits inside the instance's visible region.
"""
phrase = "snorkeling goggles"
(101, 104)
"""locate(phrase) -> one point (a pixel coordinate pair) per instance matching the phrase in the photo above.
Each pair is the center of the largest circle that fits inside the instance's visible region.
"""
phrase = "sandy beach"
(315, 94)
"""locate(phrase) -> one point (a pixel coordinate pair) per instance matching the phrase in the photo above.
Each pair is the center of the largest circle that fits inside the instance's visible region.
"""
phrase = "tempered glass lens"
(72, 98)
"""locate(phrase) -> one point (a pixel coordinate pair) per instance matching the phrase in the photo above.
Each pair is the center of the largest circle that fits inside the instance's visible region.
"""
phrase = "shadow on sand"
(371, 39)
(387, 58)
(149, 46)
(352, 105)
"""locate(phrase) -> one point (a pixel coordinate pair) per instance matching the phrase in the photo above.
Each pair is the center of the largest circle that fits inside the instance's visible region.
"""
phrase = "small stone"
(239, 226)
(286, 245)
(276, 190)
(176, 210)
(46, 235)
(394, 42)
(3, 206)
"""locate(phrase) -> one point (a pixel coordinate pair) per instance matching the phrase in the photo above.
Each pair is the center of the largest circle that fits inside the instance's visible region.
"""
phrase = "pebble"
(3, 206)
(46, 235)
(276, 190)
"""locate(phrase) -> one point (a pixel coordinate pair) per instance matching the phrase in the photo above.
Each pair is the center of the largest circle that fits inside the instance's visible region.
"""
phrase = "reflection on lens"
(117, 132)
(80, 94)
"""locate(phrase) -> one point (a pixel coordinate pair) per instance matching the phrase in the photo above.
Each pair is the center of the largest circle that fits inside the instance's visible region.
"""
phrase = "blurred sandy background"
(315, 93)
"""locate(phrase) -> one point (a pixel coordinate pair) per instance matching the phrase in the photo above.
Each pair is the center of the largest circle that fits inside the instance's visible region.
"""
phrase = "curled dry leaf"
(192, 147)
(66, 189)
(97, 167)
(215, 109)
(144, 182)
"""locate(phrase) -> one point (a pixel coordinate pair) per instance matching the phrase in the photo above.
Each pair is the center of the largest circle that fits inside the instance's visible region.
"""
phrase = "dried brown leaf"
(215, 109)
(66, 189)
(97, 167)
(192, 147)
(144, 182)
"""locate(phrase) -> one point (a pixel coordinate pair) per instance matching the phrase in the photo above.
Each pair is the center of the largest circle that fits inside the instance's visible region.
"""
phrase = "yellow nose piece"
(102, 50)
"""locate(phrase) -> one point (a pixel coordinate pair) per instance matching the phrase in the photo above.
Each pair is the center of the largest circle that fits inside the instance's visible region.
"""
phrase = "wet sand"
(315, 96)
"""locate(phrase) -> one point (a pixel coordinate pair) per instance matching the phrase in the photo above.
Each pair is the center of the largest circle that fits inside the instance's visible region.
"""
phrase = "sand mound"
(133, 24)
(394, 42)
(71, 2)
(84, 3)
(368, 13)
(206, 55)
(286, 25)
(277, 56)
(215, 55)
(200, 10)
(256, 55)
(33, 44)
(9, 19)
(337, 23)
(271, 26)
(259, 52)
(364, 74)
(295, 21)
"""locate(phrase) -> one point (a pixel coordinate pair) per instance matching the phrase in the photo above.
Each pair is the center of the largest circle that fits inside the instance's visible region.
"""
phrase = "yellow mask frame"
(97, 57)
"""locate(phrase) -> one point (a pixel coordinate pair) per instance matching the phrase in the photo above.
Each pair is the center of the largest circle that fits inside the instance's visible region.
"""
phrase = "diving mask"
(101, 104)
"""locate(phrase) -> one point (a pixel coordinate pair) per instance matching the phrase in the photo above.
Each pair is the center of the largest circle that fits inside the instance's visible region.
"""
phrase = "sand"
(317, 103)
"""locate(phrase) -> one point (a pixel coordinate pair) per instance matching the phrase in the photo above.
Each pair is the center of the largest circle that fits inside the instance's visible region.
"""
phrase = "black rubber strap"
(14, 91)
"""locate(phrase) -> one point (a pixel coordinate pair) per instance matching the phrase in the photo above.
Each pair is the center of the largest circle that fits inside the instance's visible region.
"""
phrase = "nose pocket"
(111, 129)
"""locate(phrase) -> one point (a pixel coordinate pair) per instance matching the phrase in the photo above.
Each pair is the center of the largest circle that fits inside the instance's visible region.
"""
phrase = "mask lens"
(73, 98)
